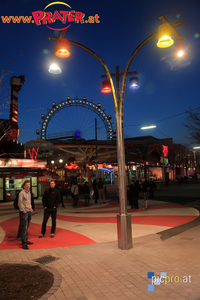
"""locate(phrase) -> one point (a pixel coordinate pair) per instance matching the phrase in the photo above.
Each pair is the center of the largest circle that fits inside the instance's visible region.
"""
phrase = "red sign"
(165, 151)
(32, 154)
(22, 163)
(71, 166)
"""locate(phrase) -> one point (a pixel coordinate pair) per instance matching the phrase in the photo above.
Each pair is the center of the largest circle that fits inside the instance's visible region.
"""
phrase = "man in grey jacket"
(25, 208)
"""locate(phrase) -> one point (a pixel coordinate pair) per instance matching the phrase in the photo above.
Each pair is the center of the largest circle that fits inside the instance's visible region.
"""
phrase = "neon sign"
(33, 151)
(165, 151)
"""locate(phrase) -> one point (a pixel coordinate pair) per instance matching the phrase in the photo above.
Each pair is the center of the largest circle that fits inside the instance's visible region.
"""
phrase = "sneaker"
(25, 247)
(145, 208)
(40, 236)
(52, 235)
(29, 243)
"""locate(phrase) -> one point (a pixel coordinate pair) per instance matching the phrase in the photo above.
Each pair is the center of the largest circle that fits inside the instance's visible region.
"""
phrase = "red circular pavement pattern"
(92, 214)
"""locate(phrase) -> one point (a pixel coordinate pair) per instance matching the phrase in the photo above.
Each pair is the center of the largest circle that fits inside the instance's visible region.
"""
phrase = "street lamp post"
(96, 147)
(123, 219)
(52, 165)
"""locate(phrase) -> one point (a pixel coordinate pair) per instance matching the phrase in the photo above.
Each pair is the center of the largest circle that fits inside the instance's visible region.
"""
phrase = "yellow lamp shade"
(62, 46)
(164, 36)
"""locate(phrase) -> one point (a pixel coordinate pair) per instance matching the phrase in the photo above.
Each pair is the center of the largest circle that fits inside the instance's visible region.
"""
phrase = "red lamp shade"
(106, 87)
(180, 51)
(62, 46)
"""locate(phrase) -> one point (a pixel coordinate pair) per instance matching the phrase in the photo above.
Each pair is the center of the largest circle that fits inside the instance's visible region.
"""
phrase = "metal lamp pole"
(123, 219)
(96, 147)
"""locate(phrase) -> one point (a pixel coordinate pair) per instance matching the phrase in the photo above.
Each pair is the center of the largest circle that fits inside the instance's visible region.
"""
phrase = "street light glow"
(62, 46)
(54, 69)
(52, 161)
(196, 147)
(148, 127)
(134, 83)
(180, 53)
(164, 36)
(106, 88)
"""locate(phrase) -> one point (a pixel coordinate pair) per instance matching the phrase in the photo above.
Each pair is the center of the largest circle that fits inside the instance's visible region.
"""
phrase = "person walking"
(134, 190)
(51, 199)
(24, 203)
(94, 185)
(100, 188)
(74, 191)
(86, 193)
(152, 186)
(145, 188)
(61, 190)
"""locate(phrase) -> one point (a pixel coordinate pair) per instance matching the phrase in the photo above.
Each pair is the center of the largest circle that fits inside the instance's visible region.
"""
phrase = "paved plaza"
(87, 263)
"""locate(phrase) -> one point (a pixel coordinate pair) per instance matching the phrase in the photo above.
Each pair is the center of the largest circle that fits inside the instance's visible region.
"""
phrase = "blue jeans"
(24, 222)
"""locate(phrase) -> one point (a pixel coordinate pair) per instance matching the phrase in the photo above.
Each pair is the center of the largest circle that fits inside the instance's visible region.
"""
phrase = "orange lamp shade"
(62, 46)
(106, 87)
(180, 51)
(164, 36)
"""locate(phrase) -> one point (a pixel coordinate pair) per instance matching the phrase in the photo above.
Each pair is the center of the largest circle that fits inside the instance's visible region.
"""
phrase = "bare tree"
(193, 124)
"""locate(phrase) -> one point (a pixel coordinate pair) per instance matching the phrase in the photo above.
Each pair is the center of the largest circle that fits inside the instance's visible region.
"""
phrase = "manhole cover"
(186, 238)
(46, 259)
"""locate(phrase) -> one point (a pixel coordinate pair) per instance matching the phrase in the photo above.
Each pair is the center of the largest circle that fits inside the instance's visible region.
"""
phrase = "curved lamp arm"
(103, 65)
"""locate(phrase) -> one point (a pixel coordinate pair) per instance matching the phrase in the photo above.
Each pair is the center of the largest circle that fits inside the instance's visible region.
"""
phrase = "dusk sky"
(167, 87)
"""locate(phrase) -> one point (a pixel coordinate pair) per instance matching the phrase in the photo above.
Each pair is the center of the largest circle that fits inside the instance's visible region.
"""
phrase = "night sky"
(167, 87)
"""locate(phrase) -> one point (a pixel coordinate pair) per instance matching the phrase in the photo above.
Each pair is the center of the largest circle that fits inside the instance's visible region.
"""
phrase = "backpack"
(15, 203)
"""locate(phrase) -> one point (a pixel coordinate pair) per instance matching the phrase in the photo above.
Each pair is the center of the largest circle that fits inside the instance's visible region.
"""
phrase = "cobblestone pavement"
(103, 271)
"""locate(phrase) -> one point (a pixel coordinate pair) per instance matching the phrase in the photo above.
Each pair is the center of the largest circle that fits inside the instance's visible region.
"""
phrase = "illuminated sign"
(71, 166)
(165, 151)
(21, 163)
(33, 151)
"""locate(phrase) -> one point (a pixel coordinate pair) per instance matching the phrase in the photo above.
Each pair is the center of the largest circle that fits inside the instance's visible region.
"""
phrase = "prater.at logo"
(65, 15)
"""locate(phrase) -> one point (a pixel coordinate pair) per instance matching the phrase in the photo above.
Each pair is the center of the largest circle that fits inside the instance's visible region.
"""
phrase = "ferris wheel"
(75, 118)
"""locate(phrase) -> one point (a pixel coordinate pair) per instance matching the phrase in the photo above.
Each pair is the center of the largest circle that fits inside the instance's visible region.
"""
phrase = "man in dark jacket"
(51, 199)
(134, 190)
(152, 186)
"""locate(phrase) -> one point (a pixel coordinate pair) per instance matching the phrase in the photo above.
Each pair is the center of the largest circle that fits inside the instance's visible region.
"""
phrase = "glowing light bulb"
(180, 53)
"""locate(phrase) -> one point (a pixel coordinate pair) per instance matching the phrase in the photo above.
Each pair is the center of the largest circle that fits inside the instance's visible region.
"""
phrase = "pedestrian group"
(53, 196)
